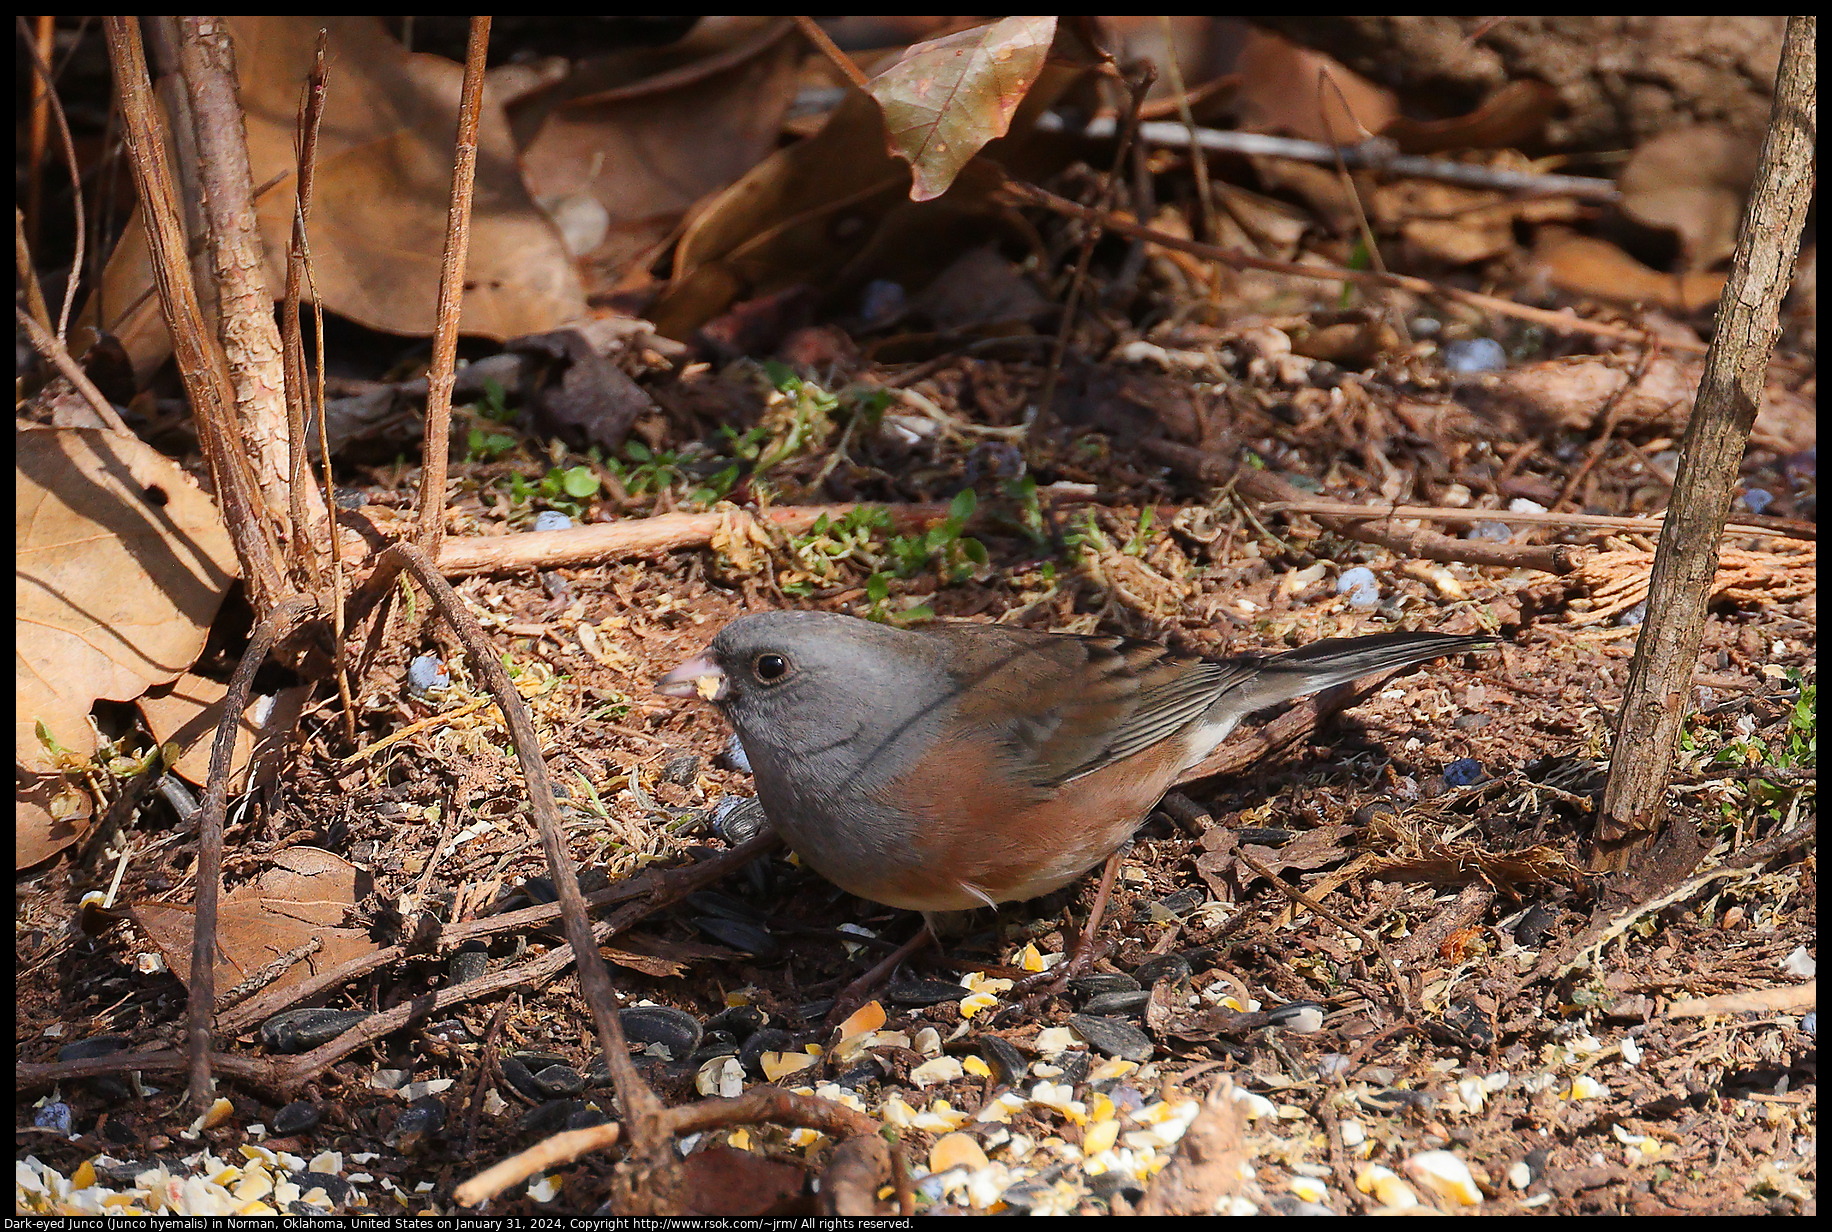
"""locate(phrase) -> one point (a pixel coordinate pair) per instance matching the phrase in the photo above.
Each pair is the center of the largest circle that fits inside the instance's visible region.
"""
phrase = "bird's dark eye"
(770, 668)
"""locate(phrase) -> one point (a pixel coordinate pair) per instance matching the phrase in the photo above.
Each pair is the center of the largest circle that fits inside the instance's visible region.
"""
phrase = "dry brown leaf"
(384, 181)
(1511, 116)
(1784, 999)
(1276, 226)
(1584, 265)
(1460, 225)
(1283, 90)
(1691, 181)
(623, 146)
(795, 217)
(307, 894)
(833, 211)
(48, 815)
(662, 958)
(946, 98)
(1351, 338)
(981, 288)
(120, 565)
(1311, 850)
(860, 31)
(579, 394)
(189, 711)
(647, 964)
(1204, 49)
(1322, 189)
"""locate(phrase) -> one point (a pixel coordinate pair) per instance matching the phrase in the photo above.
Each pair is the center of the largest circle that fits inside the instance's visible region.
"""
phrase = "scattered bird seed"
(94, 1046)
(1098, 983)
(924, 992)
(1112, 1037)
(295, 1118)
(677, 1030)
(738, 819)
(1119, 1003)
(301, 1030)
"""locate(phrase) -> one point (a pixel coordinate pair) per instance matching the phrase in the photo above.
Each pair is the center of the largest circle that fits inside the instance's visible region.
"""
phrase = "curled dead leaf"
(383, 186)
(121, 563)
(946, 98)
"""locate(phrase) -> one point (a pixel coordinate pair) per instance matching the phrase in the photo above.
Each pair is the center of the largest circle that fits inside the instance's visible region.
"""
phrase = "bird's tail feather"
(1325, 664)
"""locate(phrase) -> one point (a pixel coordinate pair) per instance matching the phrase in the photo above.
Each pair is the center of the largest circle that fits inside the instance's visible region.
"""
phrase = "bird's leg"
(854, 994)
(1081, 951)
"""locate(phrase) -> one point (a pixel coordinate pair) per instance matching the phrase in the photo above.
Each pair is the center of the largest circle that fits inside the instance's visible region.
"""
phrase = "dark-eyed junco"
(968, 765)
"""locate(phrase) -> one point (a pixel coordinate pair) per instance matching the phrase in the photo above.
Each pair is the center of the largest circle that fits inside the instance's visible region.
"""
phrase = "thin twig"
(1612, 415)
(201, 1010)
(28, 276)
(311, 109)
(1376, 154)
(1199, 162)
(667, 532)
(1262, 486)
(41, 41)
(48, 346)
(1352, 192)
(41, 70)
(311, 120)
(639, 1101)
(550, 1152)
(1144, 205)
(827, 47)
(488, 1064)
(442, 371)
(164, 1061)
(1561, 521)
(102, 207)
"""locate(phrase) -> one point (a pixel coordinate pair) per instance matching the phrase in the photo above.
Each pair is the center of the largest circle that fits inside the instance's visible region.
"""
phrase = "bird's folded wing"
(1065, 707)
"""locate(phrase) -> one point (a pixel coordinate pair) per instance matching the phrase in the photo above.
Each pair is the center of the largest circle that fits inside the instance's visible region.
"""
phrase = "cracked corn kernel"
(1309, 1188)
(1001, 1109)
(956, 1151)
(941, 1069)
(973, 1003)
(780, 1064)
(940, 1118)
(1385, 1187)
(868, 1017)
(1445, 1175)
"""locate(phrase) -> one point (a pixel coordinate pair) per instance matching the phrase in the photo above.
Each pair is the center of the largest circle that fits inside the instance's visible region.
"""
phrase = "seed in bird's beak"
(698, 677)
